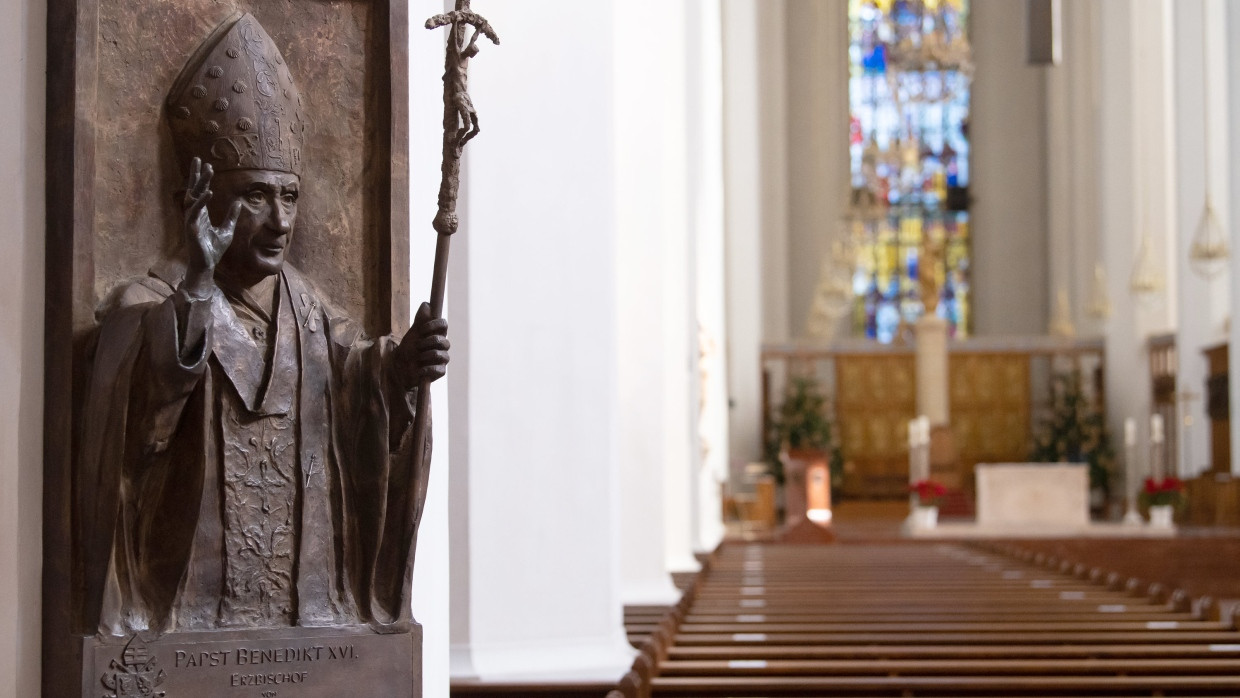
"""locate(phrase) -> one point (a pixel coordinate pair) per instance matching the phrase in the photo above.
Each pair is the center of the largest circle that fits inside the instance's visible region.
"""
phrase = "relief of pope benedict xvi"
(246, 459)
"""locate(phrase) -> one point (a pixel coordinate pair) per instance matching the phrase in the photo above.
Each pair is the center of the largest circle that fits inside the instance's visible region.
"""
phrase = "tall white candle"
(1130, 432)
(914, 433)
(1156, 428)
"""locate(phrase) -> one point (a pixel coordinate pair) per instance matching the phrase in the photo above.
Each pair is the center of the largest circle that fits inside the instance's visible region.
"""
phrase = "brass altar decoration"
(875, 399)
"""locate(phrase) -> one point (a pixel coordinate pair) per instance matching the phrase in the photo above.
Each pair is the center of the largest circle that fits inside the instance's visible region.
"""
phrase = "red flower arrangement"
(928, 492)
(1168, 491)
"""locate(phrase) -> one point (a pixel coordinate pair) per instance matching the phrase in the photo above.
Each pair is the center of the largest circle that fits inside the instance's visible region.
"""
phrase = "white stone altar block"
(1033, 495)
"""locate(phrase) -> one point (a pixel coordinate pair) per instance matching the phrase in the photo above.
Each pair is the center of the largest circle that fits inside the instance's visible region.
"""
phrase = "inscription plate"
(301, 662)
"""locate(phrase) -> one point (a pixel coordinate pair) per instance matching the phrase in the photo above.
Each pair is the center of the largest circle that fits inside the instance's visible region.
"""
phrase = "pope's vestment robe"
(244, 466)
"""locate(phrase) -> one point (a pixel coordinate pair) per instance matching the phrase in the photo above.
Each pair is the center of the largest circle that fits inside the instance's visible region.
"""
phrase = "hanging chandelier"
(1208, 252)
(1147, 279)
(1100, 296)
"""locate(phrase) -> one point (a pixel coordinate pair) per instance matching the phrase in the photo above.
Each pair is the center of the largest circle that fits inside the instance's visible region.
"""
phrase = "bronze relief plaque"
(231, 490)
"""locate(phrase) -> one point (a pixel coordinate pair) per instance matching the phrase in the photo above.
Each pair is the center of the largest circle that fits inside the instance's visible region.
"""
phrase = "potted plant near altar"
(801, 427)
(929, 493)
(1162, 497)
(801, 438)
(1075, 432)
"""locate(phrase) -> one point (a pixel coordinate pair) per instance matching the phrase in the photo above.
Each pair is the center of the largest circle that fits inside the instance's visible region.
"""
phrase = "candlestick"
(1130, 432)
(1158, 454)
(1131, 479)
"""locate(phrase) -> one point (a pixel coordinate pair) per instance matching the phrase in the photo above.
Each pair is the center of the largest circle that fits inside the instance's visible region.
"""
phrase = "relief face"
(246, 459)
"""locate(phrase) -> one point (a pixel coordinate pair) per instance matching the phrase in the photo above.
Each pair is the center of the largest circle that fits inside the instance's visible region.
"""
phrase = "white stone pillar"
(653, 300)
(1202, 302)
(540, 570)
(704, 128)
(756, 206)
(1072, 135)
(1134, 184)
(930, 356)
(1232, 24)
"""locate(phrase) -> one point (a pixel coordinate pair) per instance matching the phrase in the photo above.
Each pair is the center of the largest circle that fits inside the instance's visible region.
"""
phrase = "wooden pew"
(921, 620)
(641, 620)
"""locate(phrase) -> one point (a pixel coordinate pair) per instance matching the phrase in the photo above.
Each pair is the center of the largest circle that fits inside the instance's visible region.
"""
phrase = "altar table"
(1032, 495)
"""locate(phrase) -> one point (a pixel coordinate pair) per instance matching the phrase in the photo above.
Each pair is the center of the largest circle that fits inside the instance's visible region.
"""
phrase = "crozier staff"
(460, 125)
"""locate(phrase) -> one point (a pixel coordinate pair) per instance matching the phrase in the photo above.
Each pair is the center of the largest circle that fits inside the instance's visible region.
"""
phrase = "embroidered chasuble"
(266, 494)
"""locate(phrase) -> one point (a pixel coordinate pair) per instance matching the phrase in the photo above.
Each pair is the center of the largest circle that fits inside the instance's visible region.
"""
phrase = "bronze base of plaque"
(301, 662)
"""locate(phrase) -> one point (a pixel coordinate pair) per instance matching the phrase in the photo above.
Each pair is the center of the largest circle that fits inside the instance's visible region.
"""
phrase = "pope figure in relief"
(246, 459)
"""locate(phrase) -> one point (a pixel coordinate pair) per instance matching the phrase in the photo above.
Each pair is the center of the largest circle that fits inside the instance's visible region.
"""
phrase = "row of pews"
(926, 620)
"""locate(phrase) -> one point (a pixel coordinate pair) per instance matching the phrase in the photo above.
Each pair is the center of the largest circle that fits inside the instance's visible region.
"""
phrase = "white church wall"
(1007, 181)
(817, 133)
(575, 483)
(22, 63)
(543, 583)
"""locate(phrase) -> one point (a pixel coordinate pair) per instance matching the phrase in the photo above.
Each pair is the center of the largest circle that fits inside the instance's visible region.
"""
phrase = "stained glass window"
(910, 70)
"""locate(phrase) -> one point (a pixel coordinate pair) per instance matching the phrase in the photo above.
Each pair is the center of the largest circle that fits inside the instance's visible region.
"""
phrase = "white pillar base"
(652, 594)
(586, 660)
(931, 361)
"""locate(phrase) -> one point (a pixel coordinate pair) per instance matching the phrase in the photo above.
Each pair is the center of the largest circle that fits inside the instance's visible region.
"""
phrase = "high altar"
(998, 390)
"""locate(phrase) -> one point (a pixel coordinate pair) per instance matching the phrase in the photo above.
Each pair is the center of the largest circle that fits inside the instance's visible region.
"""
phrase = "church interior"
(799, 347)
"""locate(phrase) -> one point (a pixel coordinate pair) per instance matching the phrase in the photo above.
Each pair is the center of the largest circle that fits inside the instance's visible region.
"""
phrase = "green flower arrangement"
(801, 423)
(1076, 432)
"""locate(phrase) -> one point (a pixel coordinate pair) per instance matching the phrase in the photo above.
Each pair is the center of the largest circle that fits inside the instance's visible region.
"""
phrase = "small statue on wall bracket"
(928, 273)
(249, 458)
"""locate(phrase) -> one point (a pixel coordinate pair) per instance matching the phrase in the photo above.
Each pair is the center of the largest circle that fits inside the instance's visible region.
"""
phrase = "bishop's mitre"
(234, 104)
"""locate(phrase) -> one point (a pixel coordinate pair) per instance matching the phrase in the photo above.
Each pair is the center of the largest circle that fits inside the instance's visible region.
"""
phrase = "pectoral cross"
(310, 305)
